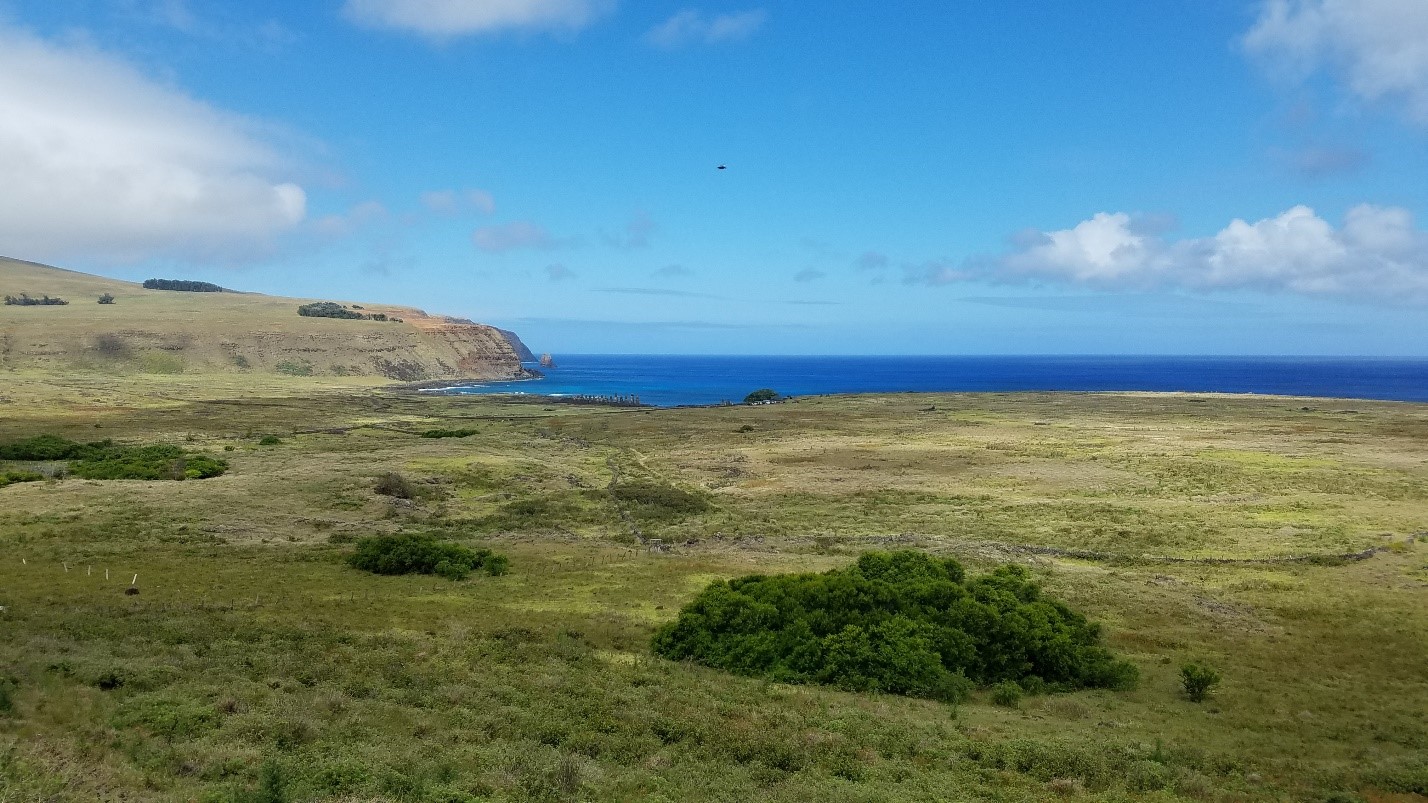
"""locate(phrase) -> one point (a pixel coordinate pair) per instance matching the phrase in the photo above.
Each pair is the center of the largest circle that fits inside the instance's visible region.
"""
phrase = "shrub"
(270, 440)
(183, 285)
(24, 300)
(49, 447)
(1008, 694)
(761, 395)
(497, 565)
(658, 502)
(7, 695)
(106, 298)
(900, 622)
(328, 309)
(1197, 681)
(423, 554)
(294, 368)
(105, 460)
(395, 485)
(449, 433)
(14, 476)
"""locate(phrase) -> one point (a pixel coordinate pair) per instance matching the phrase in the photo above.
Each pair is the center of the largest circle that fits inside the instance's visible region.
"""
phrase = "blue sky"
(1203, 177)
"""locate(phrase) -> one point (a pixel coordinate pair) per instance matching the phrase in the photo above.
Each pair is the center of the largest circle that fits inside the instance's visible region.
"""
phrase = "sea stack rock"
(546, 361)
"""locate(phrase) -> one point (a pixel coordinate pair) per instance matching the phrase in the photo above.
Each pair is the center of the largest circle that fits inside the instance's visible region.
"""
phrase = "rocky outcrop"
(525, 354)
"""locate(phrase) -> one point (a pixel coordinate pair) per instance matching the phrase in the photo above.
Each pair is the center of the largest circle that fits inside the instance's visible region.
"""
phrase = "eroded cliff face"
(157, 331)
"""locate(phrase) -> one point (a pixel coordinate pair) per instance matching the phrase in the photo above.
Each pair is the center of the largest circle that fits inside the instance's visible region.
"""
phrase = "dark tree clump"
(106, 299)
(424, 554)
(106, 460)
(24, 300)
(328, 309)
(900, 622)
(183, 285)
(449, 433)
(761, 395)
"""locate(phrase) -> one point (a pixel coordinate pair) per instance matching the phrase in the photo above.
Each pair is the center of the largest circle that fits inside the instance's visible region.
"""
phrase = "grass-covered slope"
(148, 331)
(255, 654)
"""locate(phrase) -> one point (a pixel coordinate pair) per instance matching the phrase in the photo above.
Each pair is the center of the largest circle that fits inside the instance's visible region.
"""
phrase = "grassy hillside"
(1197, 528)
(171, 332)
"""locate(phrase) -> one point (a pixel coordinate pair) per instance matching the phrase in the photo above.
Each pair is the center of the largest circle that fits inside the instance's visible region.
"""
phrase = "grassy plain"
(254, 661)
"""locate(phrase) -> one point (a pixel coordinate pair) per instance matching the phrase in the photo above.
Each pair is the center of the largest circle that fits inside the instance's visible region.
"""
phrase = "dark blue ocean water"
(674, 380)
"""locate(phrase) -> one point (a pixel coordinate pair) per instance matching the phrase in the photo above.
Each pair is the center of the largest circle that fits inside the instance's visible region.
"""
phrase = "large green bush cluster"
(184, 285)
(24, 300)
(424, 554)
(899, 622)
(106, 460)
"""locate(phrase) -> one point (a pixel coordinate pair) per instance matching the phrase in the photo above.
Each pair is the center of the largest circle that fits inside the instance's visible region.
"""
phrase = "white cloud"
(558, 272)
(1377, 48)
(449, 202)
(440, 19)
(97, 161)
(511, 236)
(483, 201)
(691, 26)
(1376, 253)
(353, 220)
(636, 234)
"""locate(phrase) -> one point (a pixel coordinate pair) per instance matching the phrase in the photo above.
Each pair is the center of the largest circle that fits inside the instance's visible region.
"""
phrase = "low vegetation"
(258, 663)
(424, 554)
(1197, 681)
(659, 502)
(449, 433)
(183, 285)
(331, 309)
(900, 622)
(761, 395)
(23, 300)
(106, 460)
(106, 298)
(13, 476)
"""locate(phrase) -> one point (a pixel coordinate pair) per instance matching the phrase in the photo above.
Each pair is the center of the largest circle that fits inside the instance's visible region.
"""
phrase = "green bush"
(24, 300)
(49, 447)
(7, 695)
(449, 433)
(1197, 681)
(106, 298)
(423, 554)
(294, 367)
(270, 440)
(184, 285)
(1007, 694)
(395, 485)
(327, 309)
(106, 460)
(899, 622)
(497, 565)
(14, 476)
(761, 395)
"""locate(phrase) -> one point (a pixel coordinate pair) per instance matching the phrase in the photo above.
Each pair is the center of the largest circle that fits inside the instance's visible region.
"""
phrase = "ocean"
(666, 381)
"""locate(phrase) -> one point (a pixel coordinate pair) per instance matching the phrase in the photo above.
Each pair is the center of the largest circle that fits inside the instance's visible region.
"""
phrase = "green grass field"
(255, 664)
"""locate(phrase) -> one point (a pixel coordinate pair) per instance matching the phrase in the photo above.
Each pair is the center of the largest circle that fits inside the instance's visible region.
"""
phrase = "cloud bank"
(99, 162)
(1377, 252)
(693, 27)
(504, 237)
(1377, 48)
(445, 19)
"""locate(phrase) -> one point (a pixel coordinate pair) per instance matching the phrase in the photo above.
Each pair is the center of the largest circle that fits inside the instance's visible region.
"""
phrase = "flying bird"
(723, 167)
